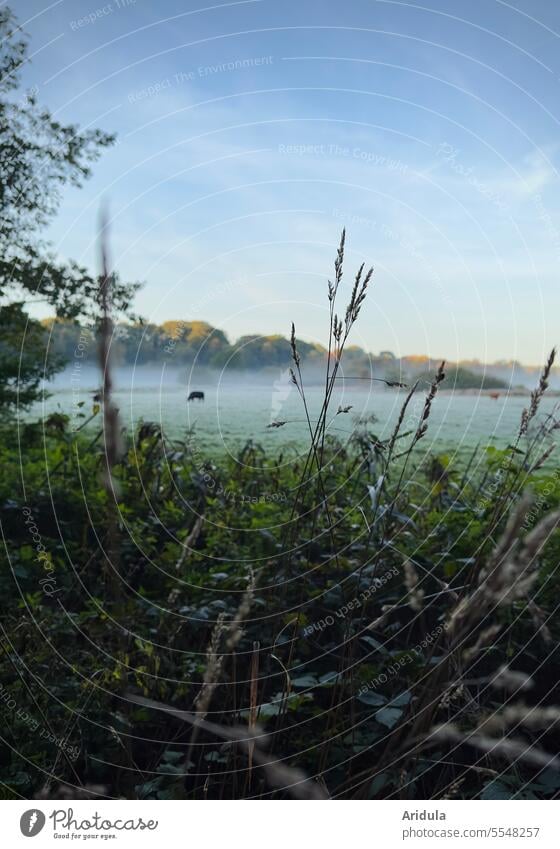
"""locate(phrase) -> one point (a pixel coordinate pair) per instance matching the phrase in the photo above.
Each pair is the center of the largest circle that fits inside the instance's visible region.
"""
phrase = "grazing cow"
(494, 395)
(196, 396)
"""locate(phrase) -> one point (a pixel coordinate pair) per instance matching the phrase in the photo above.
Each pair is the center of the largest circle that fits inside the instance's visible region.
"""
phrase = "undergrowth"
(365, 620)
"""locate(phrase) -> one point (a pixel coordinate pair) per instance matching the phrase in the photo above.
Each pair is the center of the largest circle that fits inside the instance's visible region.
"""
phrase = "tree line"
(199, 343)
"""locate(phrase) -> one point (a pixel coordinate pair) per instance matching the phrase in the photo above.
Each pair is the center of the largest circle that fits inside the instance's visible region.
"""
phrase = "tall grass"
(467, 615)
(372, 635)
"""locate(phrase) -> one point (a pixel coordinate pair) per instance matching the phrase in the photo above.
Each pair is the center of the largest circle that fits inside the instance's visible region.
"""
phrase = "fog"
(172, 379)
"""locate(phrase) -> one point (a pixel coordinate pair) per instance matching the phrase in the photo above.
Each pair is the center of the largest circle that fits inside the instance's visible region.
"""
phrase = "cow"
(494, 395)
(196, 396)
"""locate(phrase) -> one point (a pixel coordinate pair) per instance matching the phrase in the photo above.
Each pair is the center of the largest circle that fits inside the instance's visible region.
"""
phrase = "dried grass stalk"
(537, 394)
(278, 774)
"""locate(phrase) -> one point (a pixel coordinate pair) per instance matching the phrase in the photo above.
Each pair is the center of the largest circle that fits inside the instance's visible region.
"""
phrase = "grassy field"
(362, 620)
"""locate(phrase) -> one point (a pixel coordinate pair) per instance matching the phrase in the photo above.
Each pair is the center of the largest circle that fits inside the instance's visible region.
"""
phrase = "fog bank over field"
(171, 378)
(178, 379)
(265, 407)
(194, 353)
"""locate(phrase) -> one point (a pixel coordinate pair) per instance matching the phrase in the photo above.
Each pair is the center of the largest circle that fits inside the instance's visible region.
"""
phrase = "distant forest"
(186, 342)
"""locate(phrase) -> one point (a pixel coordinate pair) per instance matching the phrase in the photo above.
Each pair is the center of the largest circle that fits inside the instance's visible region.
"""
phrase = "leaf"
(145, 790)
(402, 699)
(329, 679)
(388, 716)
(404, 520)
(375, 490)
(215, 757)
(268, 709)
(279, 703)
(450, 569)
(172, 757)
(377, 784)
(371, 641)
(496, 790)
(550, 779)
(372, 698)
(305, 681)
(172, 769)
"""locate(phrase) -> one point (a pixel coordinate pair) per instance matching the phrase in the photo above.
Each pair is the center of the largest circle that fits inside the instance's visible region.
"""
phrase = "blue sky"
(251, 132)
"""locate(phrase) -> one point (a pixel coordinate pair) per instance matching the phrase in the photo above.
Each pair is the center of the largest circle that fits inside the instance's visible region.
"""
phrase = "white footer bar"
(277, 825)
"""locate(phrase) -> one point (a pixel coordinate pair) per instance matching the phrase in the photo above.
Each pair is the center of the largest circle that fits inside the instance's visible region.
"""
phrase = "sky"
(251, 132)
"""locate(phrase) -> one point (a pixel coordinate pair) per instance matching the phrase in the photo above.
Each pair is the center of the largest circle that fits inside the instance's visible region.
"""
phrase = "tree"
(196, 340)
(38, 157)
(462, 378)
(22, 366)
(458, 377)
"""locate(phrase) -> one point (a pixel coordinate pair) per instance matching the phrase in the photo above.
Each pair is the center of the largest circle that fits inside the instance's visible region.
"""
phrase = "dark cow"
(196, 396)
